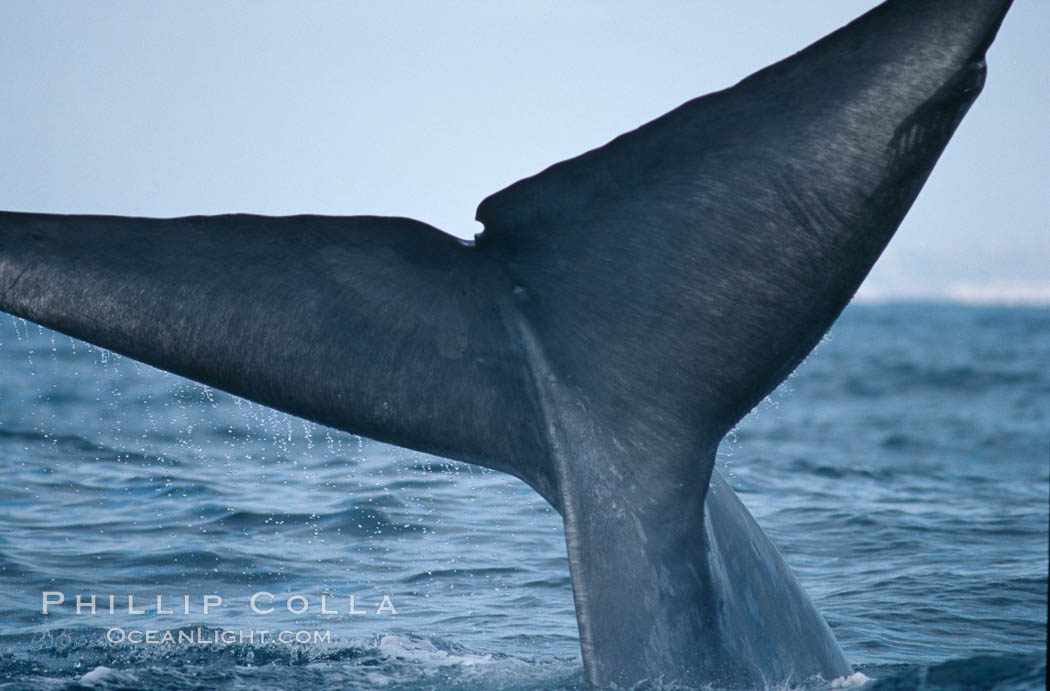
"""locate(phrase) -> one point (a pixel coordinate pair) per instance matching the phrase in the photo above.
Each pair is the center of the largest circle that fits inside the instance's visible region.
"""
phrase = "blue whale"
(620, 313)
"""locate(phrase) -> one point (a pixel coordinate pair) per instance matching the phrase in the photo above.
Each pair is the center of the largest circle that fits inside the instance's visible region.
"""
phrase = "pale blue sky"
(422, 109)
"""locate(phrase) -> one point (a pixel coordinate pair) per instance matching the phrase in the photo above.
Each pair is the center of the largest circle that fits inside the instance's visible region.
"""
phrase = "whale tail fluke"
(619, 314)
(668, 281)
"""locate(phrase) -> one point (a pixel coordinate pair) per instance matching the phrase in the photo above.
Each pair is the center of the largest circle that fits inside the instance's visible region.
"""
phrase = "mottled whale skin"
(621, 311)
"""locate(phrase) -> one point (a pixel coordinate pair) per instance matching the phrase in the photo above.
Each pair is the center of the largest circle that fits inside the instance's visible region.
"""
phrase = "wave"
(989, 672)
(83, 658)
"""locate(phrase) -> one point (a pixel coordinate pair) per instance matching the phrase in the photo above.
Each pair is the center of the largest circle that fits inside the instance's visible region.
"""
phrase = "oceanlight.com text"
(201, 636)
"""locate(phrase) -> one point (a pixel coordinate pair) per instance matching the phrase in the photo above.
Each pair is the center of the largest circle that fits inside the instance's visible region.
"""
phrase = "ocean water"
(903, 471)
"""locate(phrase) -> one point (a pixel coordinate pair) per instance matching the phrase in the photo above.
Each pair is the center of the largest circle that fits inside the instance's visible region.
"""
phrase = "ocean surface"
(903, 471)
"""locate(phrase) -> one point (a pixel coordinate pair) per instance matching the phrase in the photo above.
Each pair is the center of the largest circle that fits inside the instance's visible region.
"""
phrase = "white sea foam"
(855, 680)
(103, 676)
(426, 653)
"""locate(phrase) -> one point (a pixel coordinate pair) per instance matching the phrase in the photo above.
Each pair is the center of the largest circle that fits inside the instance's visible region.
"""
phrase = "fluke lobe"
(619, 314)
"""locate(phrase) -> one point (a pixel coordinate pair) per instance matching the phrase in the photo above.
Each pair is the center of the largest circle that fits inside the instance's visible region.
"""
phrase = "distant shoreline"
(991, 295)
